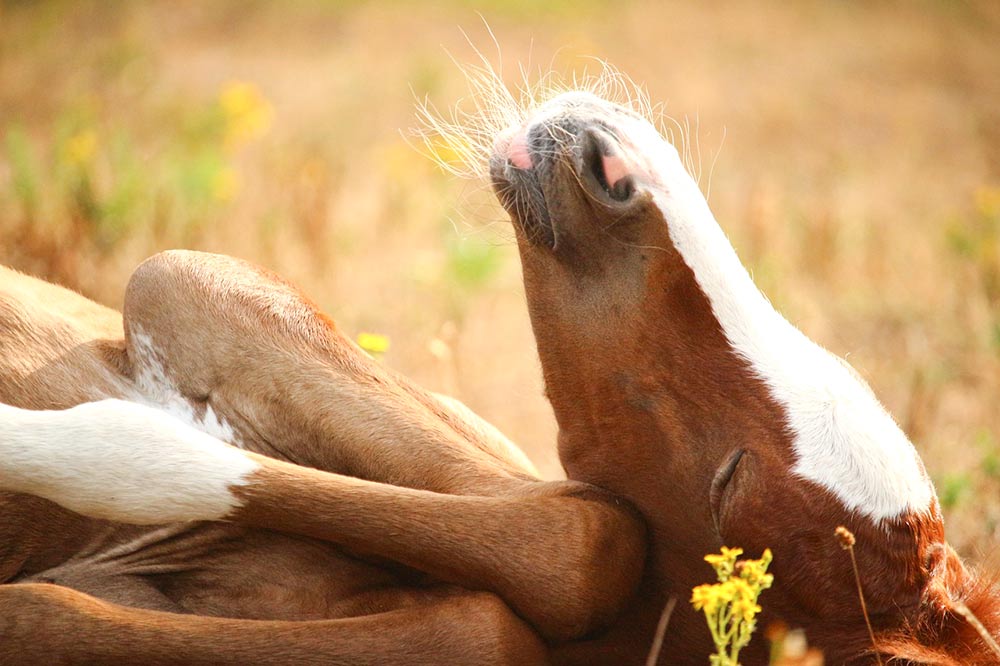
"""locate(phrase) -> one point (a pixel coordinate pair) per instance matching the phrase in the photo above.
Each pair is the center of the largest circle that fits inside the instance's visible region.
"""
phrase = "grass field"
(852, 152)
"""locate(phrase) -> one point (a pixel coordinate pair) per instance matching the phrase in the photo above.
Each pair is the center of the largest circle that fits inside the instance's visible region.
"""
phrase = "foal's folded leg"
(42, 625)
(228, 341)
(452, 500)
(565, 560)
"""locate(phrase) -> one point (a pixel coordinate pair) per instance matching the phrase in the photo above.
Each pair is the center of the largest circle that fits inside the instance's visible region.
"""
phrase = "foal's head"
(677, 385)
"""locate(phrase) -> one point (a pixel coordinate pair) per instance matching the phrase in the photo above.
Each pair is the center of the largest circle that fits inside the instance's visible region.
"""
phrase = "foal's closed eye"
(719, 483)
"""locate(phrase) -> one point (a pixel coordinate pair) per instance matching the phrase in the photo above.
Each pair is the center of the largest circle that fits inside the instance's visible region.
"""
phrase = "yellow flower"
(724, 562)
(727, 555)
(80, 148)
(248, 115)
(754, 571)
(730, 606)
(742, 599)
(707, 598)
(988, 200)
(373, 343)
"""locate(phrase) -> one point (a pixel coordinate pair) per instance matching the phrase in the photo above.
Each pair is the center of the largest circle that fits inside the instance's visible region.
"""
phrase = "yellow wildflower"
(724, 562)
(730, 606)
(248, 115)
(727, 555)
(754, 572)
(373, 343)
(80, 148)
(988, 201)
(743, 599)
(707, 598)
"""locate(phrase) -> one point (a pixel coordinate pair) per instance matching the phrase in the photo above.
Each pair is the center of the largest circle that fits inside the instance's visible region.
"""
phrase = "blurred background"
(852, 151)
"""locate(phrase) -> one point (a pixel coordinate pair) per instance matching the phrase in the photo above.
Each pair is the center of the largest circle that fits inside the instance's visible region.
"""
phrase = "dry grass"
(857, 138)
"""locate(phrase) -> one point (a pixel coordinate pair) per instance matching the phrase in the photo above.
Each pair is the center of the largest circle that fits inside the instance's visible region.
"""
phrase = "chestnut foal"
(359, 512)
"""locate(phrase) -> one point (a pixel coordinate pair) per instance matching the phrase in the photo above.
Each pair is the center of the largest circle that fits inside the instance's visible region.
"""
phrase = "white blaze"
(120, 461)
(844, 440)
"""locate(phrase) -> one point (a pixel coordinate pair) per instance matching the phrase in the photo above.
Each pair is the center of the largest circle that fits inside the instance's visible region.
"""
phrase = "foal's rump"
(59, 349)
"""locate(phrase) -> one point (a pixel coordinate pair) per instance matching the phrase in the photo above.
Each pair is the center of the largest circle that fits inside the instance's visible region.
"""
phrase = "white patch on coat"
(120, 461)
(844, 440)
(157, 390)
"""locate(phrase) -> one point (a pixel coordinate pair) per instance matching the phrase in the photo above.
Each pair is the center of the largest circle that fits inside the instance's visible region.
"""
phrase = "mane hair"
(957, 624)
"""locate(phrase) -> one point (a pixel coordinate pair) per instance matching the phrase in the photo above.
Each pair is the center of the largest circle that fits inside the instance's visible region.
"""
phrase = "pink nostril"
(517, 153)
(614, 169)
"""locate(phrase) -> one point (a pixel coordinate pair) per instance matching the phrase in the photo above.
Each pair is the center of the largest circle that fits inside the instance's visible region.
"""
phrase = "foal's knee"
(199, 314)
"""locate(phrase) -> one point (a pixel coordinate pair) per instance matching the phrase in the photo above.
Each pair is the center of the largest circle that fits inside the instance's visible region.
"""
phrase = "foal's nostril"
(608, 168)
(593, 161)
